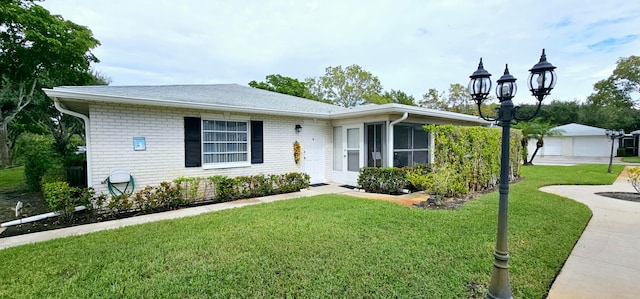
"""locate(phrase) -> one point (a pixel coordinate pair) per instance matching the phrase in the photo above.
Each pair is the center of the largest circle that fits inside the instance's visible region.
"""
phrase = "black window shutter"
(192, 142)
(257, 144)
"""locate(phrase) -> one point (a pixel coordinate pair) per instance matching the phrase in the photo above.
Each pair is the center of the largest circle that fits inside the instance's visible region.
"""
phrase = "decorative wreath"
(296, 152)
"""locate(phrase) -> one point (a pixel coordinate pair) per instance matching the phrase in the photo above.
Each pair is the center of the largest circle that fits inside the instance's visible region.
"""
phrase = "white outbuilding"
(576, 141)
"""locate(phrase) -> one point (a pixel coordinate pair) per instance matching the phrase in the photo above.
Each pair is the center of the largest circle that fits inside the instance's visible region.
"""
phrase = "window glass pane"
(353, 138)
(353, 160)
(400, 159)
(401, 137)
(420, 137)
(420, 157)
(207, 125)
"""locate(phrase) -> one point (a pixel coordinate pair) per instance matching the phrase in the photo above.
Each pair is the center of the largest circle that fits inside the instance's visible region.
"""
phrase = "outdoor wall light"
(298, 128)
(541, 81)
(613, 134)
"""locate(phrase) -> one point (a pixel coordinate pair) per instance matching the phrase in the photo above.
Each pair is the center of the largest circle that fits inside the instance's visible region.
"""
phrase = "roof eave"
(363, 111)
(175, 104)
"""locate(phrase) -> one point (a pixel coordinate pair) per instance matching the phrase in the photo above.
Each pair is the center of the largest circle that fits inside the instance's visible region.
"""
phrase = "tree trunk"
(534, 153)
(525, 144)
(4, 146)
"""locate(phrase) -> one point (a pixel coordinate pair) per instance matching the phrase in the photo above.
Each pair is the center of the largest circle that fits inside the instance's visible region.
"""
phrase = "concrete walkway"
(605, 263)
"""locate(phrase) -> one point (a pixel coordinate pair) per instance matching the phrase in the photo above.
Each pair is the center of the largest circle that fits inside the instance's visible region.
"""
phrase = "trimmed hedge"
(389, 180)
(466, 160)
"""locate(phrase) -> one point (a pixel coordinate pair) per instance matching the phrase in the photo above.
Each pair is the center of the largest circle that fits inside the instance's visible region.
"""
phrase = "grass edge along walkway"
(322, 246)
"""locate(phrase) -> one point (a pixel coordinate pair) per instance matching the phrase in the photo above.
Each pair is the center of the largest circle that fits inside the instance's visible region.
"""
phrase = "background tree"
(348, 87)
(456, 99)
(627, 75)
(539, 130)
(399, 97)
(37, 49)
(282, 84)
(433, 99)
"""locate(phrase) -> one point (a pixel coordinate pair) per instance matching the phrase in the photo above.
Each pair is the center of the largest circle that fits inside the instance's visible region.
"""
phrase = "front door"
(313, 153)
(352, 153)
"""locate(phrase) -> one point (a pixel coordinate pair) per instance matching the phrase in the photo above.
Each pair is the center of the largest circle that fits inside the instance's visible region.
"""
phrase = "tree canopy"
(456, 99)
(38, 50)
(620, 87)
(348, 87)
(282, 84)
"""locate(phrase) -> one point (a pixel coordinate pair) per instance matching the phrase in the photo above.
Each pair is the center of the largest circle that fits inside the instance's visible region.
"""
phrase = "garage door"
(552, 146)
(591, 146)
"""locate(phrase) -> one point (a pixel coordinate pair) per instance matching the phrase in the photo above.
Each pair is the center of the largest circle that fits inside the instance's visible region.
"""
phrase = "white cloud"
(410, 45)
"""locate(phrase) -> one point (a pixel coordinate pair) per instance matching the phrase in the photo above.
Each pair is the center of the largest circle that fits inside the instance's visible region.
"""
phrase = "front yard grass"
(322, 246)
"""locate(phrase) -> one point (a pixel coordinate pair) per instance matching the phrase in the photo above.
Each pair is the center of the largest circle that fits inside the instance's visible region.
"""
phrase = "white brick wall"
(113, 127)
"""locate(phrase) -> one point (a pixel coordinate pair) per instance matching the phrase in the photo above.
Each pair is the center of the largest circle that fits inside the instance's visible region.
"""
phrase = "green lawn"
(323, 246)
(631, 159)
(12, 179)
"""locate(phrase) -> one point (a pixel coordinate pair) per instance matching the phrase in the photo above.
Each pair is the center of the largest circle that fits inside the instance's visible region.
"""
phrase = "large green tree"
(620, 87)
(283, 84)
(348, 87)
(37, 50)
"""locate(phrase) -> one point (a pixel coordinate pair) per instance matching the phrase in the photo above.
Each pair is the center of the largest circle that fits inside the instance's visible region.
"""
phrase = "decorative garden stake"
(541, 81)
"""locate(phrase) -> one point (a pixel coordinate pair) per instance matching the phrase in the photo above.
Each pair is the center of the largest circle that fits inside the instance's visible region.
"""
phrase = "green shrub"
(195, 189)
(385, 180)
(60, 197)
(415, 174)
(38, 155)
(119, 204)
(164, 196)
(54, 174)
(473, 155)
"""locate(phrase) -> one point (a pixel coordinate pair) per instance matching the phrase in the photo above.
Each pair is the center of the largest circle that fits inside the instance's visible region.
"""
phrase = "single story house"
(576, 141)
(159, 133)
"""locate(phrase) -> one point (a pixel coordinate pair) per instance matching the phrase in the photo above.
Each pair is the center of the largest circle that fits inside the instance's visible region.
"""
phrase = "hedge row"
(389, 180)
(183, 191)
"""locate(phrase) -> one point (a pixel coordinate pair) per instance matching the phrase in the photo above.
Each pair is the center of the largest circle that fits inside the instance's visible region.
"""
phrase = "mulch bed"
(628, 196)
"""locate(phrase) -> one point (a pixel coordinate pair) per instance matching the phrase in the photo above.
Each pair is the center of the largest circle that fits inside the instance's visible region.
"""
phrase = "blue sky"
(409, 45)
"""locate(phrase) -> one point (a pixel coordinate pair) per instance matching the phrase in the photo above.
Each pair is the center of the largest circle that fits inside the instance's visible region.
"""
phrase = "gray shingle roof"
(214, 94)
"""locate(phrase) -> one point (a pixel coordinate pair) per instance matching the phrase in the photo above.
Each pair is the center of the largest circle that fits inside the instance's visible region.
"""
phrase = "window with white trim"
(225, 142)
(410, 145)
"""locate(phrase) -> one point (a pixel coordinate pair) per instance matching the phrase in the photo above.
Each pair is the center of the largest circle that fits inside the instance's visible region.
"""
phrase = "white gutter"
(390, 138)
(87, 135)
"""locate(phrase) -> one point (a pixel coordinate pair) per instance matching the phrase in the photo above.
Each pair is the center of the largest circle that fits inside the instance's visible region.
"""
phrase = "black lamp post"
(613, 134)
(541, 81)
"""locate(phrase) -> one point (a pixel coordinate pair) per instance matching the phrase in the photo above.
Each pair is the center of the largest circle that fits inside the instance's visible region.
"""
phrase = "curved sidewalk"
(605, 263)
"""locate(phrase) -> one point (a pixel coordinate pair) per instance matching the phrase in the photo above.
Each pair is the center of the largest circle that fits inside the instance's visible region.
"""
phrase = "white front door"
(352, 153)
(313, 153)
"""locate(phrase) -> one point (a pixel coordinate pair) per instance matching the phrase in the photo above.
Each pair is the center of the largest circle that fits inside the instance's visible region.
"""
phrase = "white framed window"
(410, 145)
(225, 143)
